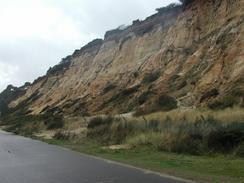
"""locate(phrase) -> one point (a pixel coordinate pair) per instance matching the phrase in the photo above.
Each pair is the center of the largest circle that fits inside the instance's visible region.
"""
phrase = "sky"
(37, 34)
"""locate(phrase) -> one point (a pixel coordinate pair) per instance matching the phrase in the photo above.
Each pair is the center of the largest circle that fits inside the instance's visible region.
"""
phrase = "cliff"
(194, 54)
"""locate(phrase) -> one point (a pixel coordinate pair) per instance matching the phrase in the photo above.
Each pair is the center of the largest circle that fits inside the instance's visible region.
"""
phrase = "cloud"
(36, 34)
(8, 73)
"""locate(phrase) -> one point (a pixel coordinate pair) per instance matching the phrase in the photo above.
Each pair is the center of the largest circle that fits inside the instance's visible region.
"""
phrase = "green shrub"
(53, 121)
(170, 7)
(99, 121)
(153, 76)
(153, 125)
(163, 103)
(187, 143)
(166, 103)
(186, 2)
(205, 135)
(239, 151)
(226, 138)
(143, 97)
(225, 102)
(108, 88)
(63, 135)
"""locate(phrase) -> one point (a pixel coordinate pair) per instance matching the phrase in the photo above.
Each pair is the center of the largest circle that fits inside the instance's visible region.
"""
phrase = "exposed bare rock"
(197, 51)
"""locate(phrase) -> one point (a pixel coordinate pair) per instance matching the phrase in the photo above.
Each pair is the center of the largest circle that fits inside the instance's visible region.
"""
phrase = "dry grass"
(229, 115)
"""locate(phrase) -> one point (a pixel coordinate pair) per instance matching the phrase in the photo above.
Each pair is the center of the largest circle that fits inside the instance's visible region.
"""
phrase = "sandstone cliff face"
(195, 55)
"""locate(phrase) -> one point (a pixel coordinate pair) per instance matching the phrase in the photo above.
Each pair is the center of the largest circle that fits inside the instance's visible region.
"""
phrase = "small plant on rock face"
(148, 78)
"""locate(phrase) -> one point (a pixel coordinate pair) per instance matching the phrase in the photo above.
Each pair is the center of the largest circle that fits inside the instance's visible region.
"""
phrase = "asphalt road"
(24, 160)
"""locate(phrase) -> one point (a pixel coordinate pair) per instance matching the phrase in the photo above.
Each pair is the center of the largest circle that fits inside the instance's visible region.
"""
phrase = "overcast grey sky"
(36, 34)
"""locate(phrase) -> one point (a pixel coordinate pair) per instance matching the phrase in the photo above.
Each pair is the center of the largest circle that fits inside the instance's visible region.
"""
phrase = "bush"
(153, 125)
(203, 136)
(170, 7)
(166, 103)
(143, 97)
(109, 130)
(99, 121)
(225, 102)
(108, 88)
(54, 121)
(186, 2)
(163, 103)
(187, 143)
(240, 150)
(226, 139)
(148, 78)
(62, 135)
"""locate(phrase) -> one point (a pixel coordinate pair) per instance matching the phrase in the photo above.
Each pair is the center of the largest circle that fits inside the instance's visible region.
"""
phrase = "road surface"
(24, 160)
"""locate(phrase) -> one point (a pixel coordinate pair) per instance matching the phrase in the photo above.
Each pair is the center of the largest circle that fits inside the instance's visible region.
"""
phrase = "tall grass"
(188, 131)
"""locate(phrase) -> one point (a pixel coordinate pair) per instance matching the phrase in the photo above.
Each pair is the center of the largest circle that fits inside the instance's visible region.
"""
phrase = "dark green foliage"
(129, 91)
(186, 2)
(240, 150)
(153, 76)
(96, 43)
(162, 103)
(22, 108)
(225, 102)
(226, 138)
(61, 67)
(109, 130)
(166, 103)
(187, 143)
(204, 136)
(99, 121)
(143, 97)
(108, 88)
(237, 92)
(209, 94)
(53, 121)
(63, 135)
(8, 95)
(123, 94)
(24, 125)
(153, 125)
(170, 7)
(142, 29)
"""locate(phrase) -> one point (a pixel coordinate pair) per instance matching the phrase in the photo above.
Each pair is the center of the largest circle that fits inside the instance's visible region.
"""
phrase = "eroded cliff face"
(195, 55)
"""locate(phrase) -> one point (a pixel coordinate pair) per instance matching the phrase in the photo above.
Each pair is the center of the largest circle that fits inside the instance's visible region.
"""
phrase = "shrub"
(166, 103)
(225, 102)
(143, 97)
(187, 143)
(108, 88)
(163, 103)
(239, 151)
(204, 135)
(153, 125)
(227, 138)
(53, 121)
(170, 7)
(186, 2)
(99, 121)
(153, 76)
(62, 135)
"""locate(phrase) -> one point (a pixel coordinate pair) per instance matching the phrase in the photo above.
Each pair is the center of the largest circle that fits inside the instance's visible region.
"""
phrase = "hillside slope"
(194, 54)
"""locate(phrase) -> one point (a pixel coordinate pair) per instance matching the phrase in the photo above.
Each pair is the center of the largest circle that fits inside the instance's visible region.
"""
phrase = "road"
(23, 160)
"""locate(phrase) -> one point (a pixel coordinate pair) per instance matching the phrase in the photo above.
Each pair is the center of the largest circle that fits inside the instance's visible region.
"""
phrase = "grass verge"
(216, 168)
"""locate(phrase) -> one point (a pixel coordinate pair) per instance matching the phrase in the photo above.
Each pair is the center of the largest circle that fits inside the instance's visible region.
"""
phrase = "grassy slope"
(217, 168)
